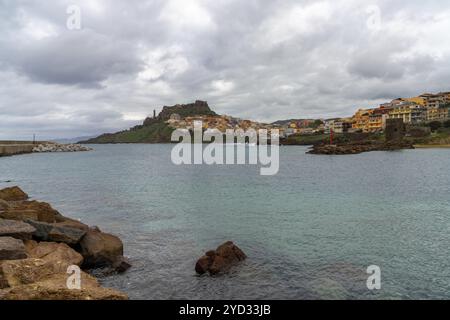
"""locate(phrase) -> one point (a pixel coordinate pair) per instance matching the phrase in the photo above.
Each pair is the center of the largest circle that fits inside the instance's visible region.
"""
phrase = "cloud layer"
(263, 60)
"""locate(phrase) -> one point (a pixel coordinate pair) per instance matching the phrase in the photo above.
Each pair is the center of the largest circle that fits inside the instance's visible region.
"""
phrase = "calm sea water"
(309, 232)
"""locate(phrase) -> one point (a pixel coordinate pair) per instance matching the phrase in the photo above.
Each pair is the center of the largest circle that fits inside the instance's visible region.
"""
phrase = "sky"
(80, 68)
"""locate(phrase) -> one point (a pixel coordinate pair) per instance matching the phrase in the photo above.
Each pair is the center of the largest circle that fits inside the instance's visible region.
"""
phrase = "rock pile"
(220, 260)
(38, 244)
(56, 147)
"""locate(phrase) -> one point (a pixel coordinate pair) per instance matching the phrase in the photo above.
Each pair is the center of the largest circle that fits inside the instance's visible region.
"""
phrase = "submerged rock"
(220, 260)
(11, 249)
(13, 194)
(16, 229)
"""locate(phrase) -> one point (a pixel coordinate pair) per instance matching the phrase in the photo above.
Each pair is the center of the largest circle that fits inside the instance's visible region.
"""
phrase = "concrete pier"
(10, 148)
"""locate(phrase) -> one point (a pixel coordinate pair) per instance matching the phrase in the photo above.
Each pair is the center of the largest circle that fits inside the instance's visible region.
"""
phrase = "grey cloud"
(275, 59)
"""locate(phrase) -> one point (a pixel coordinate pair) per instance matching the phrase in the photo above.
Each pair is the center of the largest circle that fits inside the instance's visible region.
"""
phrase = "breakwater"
(9, 148)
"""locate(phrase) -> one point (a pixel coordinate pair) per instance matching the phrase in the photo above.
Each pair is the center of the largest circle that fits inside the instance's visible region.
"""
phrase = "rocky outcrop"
(13, 194)
(38, 244)
(11, 249)
(183, 110)
(356, 148)
(220, 260)
(16, 229)
(56, 147)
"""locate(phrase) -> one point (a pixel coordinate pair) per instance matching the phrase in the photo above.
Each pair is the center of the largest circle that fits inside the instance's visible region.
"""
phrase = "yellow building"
(409, 113)
(416, 100)
(437, 114)
(361, 119)
(401, 112)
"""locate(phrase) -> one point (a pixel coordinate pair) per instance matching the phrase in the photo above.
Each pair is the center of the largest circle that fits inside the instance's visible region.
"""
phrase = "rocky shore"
(57, 147)
(39, 246)
(359, 147)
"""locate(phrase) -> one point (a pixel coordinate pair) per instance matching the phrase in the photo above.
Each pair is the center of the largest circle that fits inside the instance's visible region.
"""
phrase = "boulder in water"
(220, 260)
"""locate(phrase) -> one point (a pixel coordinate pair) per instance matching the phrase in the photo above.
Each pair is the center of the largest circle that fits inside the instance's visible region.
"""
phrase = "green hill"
(154, 130)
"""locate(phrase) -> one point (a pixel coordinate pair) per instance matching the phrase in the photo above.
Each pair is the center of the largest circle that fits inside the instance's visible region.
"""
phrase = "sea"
(315, 230)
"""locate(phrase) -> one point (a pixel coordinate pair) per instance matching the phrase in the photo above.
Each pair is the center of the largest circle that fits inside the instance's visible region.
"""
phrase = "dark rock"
(220, 260)
(11, 249)
(51, 232)
(16, 229)
(360, 147)
(13, 194)
(121, 265)
(100, 249)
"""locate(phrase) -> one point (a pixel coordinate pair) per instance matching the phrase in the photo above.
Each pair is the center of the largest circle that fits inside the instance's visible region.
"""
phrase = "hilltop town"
(418, 110)
(414, 112)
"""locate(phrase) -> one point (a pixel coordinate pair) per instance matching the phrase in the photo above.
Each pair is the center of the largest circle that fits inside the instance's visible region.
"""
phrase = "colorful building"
(437, 114)
(361, 119)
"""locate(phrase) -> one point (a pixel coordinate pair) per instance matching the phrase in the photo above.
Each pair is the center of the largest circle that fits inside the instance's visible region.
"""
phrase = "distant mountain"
(72, 140)
(154, 130)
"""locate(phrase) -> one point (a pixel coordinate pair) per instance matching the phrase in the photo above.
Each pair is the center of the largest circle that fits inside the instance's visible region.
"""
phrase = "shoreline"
(432, 146)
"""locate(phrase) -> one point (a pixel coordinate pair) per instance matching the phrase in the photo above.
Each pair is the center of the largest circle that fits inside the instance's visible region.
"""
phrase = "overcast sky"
(259, 59)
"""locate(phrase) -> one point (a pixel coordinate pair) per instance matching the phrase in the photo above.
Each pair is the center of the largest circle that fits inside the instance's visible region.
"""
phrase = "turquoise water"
(309, 232)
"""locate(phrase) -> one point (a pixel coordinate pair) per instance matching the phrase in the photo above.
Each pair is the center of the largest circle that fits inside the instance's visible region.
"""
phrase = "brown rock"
(13, 194)
(34, 210)
(204, 264)
(100, 249)
(16, 229)
(11, 249)
(3, 205)
(52, 251)
(19, 215)
(220, 260)
(54, 287)
(26, 271)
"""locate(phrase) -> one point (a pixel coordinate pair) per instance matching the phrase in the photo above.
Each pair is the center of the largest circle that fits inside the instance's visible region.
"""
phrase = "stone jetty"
(10, 148)
(39, 246)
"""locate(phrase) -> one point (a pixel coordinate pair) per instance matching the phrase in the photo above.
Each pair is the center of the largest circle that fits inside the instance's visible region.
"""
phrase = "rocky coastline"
(39, 246)
(359, 147)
